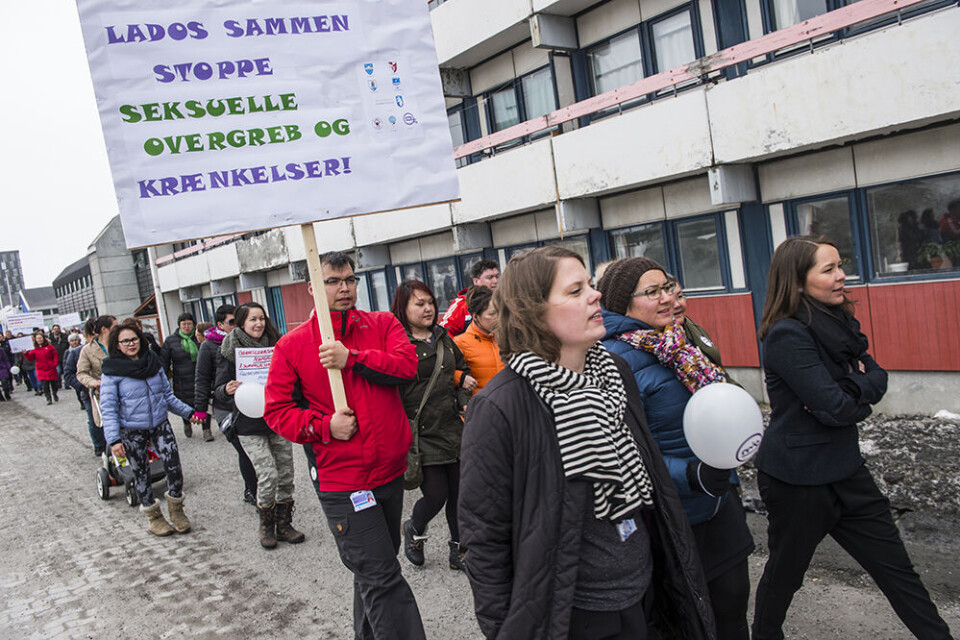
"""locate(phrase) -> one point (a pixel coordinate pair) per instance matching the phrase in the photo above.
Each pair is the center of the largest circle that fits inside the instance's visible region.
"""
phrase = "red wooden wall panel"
(243, 297)
(861, 309)
(729, 321)
(297, 304)
(916, 326)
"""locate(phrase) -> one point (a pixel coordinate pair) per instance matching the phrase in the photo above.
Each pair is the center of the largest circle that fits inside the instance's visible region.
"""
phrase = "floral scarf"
(670, 347)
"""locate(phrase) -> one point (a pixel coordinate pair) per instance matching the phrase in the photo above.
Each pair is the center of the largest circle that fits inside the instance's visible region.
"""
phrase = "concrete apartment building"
(845, 133)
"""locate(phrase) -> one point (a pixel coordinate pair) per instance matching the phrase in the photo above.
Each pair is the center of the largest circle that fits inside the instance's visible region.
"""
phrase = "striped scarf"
(595, 444)
(670, 346)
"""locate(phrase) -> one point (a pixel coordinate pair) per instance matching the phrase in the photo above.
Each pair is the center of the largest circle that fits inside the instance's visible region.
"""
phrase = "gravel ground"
(73, 566)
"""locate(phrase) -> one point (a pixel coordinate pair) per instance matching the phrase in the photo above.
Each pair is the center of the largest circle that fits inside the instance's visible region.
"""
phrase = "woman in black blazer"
(821, 381)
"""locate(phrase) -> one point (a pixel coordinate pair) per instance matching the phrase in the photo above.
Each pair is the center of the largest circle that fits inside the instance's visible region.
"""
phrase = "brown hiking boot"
(268, 527)
(207, 435)
(177, 517)
(158, 524)
(285, 530)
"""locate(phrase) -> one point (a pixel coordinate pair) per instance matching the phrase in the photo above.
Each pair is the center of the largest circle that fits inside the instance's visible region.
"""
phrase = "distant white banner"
(236, 115)
(18, 345)
(70, 320)
(24, 322)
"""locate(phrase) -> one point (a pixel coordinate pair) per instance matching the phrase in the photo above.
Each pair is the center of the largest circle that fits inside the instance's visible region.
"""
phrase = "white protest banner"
(253, 365)
(70, 320)
(24, 322)
(227, 116)
(18, 345)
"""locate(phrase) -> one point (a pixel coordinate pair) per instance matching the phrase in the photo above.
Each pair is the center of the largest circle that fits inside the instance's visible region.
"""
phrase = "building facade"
(74, 290)
(844, 126)
(11, 278)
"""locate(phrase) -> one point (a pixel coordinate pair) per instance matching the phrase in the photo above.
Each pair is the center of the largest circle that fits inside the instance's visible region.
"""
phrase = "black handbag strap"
(426, 394)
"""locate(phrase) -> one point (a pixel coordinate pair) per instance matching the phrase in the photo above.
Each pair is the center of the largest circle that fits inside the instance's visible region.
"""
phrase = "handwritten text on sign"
(279, 113)
(253, 365)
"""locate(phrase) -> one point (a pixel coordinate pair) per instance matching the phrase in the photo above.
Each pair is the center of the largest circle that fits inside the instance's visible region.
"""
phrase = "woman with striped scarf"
(571, 525)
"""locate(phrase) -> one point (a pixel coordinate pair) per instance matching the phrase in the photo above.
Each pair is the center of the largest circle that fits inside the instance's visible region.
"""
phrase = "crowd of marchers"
(543, 414)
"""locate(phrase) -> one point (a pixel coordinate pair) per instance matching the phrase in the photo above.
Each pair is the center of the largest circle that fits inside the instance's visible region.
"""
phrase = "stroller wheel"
(132, 499)
(103, 483)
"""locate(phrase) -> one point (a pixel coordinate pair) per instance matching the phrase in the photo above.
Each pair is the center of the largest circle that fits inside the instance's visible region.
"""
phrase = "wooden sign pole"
(323, 311)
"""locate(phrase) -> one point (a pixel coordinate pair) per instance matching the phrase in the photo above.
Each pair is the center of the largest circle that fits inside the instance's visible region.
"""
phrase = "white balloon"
(723, 425)
(249, 399)
(15, 370)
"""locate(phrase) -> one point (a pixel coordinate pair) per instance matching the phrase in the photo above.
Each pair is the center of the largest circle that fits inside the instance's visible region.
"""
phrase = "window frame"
(517, 85)
(856, 238)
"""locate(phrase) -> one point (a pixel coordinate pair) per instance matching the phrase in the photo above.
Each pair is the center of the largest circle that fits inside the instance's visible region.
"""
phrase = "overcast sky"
(56, 192)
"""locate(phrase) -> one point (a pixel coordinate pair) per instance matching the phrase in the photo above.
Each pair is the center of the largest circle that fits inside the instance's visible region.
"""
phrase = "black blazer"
(815, 406)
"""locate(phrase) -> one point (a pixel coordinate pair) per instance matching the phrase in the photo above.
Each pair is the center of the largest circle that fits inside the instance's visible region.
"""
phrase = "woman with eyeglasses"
(571, 524)
(270, 454)
(135, 398)
(436, 402)
(812, 477)
(639, 301)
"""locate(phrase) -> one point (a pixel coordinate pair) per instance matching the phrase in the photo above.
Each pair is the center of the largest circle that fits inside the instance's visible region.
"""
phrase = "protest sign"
(24, 322)
(235, 115)
(253, 365)
(18, 345)
(70, 320)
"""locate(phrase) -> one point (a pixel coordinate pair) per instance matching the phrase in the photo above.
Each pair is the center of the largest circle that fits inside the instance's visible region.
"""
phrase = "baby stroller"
(116, 472)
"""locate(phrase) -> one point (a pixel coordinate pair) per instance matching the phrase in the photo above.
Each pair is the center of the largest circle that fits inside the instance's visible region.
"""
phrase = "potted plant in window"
(952, 250)
(931, 253)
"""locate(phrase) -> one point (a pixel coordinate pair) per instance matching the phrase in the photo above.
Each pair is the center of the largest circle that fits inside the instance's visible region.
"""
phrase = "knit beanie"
(619, 282)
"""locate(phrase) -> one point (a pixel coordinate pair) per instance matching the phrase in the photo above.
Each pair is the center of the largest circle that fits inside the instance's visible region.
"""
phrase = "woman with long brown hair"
(821, 382)
(567, 511)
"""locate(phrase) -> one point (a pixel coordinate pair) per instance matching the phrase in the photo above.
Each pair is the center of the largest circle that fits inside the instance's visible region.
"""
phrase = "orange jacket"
(482, 354)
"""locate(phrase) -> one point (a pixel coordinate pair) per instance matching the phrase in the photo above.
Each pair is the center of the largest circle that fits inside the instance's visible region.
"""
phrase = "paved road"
(73, 566)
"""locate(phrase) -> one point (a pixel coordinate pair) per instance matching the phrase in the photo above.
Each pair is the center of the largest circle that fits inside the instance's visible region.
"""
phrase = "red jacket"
(47, 361)
(456, 317)
(381, 357)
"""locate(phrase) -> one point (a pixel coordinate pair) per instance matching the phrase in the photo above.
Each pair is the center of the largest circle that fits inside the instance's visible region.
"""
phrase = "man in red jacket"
(357, 455)
(484, 273)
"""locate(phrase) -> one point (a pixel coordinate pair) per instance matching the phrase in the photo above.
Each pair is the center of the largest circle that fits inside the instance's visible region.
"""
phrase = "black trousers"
(247, 472)
(628, 624)
(857, 516)
(368, 542)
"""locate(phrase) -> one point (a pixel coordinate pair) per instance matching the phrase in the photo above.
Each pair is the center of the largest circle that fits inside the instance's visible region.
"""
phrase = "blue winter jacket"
(664, 400)
(137, 404)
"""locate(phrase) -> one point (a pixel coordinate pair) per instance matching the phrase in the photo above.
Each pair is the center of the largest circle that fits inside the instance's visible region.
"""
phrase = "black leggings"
(441, 485)
(729, 595)
(50, 387)
(247, 472)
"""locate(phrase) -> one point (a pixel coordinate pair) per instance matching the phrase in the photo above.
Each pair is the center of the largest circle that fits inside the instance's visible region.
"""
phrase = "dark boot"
(250, 497)
(268, 527)
(456, 556)
(207, 434)
(413, 543)
(285, 530)
(187, 429)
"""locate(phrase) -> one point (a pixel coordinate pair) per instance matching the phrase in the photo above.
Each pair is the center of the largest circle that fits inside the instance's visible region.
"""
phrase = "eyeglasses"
(350, 281)
(129, 341)
(653, 293)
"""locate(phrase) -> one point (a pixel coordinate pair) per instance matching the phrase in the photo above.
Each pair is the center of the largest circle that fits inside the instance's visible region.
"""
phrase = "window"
(698, 243)
(442, 278)
(378, 287)
(830, 217)
(275, 309)
(673, 43)
(504, 109)
(529, 96)
(578, 244)
(787, 13)
(915, 226)
(457, 132)
(641, 241)
(411, 272)
(615, 63)
(466, 265)
(363, 294)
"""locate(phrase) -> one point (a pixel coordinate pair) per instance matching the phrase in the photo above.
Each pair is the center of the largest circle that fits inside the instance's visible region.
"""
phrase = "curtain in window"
(506, 111)
(616, 63)
(790, 12)
(673, 42)
(538, 95)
